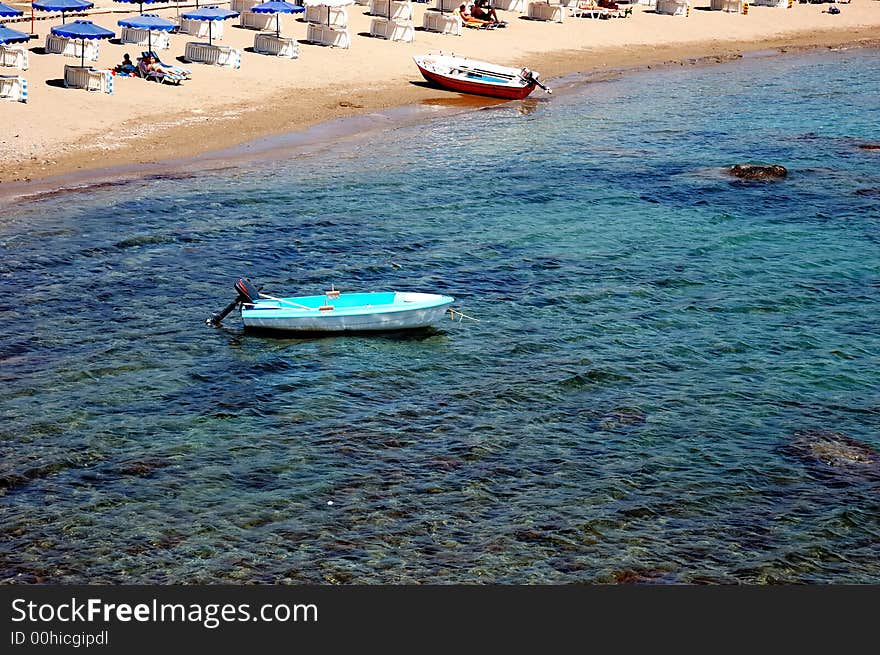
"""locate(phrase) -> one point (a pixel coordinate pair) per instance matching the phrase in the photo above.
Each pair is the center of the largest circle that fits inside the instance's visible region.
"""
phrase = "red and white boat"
(480, 77)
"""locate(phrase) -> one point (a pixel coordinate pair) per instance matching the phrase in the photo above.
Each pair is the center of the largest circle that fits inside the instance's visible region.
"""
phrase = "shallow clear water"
(674, 377)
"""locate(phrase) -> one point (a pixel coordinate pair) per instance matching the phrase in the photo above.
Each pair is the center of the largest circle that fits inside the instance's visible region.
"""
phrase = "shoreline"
(182, 147)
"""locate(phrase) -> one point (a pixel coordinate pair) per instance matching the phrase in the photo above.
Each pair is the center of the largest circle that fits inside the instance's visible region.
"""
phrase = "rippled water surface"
(674, 377)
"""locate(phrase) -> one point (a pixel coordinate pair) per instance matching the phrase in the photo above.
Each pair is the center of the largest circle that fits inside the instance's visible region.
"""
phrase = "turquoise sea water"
(674, 377)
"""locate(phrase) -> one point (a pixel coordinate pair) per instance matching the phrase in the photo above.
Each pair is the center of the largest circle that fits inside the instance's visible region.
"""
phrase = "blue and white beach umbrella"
(148, 22)
(82, 30)
(277, 7)
(63, 6)
(12, 36)
(210, 14)
(139, 2)
(8, 12)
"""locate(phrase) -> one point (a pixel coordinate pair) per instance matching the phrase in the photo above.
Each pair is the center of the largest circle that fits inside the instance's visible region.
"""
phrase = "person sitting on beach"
(482, 11)
(469, 20)
(126, 66)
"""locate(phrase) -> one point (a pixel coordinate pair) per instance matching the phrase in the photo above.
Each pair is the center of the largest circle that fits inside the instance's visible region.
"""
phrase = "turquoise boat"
(334, 311)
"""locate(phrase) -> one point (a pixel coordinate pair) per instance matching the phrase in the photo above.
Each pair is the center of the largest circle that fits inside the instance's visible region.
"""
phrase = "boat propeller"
(247, 293)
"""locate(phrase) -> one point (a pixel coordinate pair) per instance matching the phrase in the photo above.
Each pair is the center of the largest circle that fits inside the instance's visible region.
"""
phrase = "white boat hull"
(423, 311)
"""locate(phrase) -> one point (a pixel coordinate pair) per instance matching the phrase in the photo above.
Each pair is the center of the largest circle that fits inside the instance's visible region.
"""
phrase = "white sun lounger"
(86, 77)
(242, 6)
(212, 54)
(324, 15)
(14, 55)
(546, 11)
(328, 35)
(199, 28)
(60, 45)
(734, 6)
(398, 11)
(509, 5)
(13, 87)
(673, 7)
(266, 43)
(448, 5)
(434, 21)
(159, 40)
(256, 21)
(393, 30)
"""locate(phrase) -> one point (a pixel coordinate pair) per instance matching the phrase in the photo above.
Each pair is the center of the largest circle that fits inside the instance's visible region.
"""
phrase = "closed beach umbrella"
(148, 22)
(210, 14)
(277, 7)
(82, 30)
(140, 2)
(63, 6)
(8, 12)
(12, 36)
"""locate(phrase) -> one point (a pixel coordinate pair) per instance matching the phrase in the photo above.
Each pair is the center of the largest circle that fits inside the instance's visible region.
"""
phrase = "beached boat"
(335, 311)
(480, 77)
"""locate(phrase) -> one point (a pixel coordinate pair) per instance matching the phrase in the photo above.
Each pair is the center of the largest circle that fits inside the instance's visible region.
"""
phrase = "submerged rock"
(836, 452)
(758, 171)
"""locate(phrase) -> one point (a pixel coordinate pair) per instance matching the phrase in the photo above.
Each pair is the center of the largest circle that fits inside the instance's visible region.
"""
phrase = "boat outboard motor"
(247, 293)
(527, 75)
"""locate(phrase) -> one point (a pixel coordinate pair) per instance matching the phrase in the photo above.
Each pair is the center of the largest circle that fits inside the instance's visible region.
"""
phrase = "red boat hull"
(491, 90)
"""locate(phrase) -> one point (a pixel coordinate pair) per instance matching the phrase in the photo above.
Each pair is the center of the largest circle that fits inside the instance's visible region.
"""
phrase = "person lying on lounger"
(152, 65)
(470, 21)
(482, 11)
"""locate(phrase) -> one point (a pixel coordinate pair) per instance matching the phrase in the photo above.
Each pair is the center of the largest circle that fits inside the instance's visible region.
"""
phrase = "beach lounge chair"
(509, 5)
(673, 7)
(324, 15)
(14, 55)
(256, 21)
(434, 21)
(185, 73)
(393, 9)
(86, 77)
(169, 77)
(159, 40)
(328, 35)
(546, 11)
(212, 54)
(242, 6)
(200, 28)
(266, 43)
(733, 6)
(13, 87)
(393, 30)
(447, 5)
(60, 45)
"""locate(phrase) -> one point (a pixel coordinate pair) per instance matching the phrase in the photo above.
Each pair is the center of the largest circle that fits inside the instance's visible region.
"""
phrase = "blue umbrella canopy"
(12, 36)
(138, 2)
(148, 22)
(277, 7)
(8, 12)
(82, 29)
(209, 14)
(62, 5)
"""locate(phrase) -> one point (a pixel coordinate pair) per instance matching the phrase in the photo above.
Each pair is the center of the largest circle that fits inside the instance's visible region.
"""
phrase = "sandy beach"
(61, 131)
